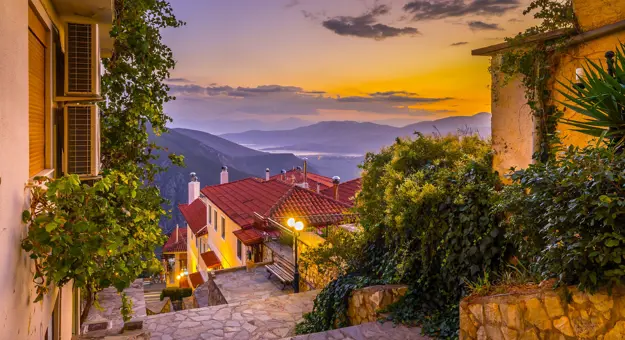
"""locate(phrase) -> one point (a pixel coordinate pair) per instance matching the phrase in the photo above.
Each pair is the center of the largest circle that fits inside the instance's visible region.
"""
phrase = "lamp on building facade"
(297, 226)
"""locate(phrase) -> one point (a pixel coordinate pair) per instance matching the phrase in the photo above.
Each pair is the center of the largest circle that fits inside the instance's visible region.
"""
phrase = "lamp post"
(297, 226)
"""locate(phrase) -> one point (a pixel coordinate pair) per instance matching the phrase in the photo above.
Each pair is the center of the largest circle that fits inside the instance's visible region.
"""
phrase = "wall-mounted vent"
(81, 60)
(81, 149)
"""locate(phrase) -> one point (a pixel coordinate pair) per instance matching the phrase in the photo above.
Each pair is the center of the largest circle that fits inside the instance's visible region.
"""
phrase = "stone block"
(601, 301)
(492, 314)
(509, 333)
(133, 325)
(617, 332)
(512, 316)
(493, 332)
(553, 305)
(564, 326)
(466, 324)
(529, 335)
(477, 312)
(536, 315)
(580, 297)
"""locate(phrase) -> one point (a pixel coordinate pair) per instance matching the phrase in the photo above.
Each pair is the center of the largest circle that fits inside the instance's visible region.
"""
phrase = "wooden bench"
(282, 269)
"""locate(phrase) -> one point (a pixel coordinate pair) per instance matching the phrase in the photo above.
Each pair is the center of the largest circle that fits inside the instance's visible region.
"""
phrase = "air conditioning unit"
(82, 61)
(81, 152)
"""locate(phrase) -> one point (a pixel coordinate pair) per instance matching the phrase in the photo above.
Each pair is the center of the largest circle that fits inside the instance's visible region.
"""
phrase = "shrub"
(567, 217)
(426, 210)
(176, 294)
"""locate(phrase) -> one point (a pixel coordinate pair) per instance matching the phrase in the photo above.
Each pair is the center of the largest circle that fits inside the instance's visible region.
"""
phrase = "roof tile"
(171, 246)
(347, 190)
(195, 215)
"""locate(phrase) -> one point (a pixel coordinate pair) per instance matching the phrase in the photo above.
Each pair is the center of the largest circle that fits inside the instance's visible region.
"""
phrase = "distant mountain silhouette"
(354, 137)
(205, 154)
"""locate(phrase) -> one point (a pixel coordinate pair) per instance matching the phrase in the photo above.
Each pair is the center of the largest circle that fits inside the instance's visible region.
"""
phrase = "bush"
(567, 217)
(426, 210)
(176, 294)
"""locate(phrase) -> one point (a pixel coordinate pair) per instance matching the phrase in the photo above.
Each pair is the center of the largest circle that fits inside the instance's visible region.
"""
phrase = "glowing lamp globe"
(291, 222)
(299, 226)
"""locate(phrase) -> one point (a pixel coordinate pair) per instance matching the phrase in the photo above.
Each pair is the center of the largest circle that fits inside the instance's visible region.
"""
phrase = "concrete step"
(268, 318)
(366, 331)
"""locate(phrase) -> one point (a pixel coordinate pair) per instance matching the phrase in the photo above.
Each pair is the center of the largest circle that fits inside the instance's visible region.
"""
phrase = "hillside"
(205, 154)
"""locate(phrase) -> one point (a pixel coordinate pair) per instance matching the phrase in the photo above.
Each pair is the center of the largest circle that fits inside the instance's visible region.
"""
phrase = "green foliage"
(334, 257)
(481, 286)
(106, 234)
(98, 236)
(567, 217)
(286, 239)
(175, 293)
(330, 306)
(126, 308)
(426, 210)
(132, 84)
(553, 15)
(600, 100)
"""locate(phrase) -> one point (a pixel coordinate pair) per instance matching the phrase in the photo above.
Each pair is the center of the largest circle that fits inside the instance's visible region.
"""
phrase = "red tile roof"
(297, 176)
(210, 259)
(195, 214)
(249, 237)
(240, 199)
(171, 246)
(196, 279)
(308, 206)
(347, 190)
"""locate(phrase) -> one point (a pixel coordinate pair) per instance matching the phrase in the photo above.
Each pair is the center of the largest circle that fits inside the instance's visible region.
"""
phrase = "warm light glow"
(178, 277)
(299, 226)
(291, 222)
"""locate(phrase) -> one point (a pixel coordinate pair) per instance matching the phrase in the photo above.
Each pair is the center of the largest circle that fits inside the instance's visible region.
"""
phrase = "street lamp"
(297, 226)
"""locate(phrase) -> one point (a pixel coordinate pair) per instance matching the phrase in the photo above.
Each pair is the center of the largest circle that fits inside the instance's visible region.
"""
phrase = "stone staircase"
(269, 318)
(366, 331)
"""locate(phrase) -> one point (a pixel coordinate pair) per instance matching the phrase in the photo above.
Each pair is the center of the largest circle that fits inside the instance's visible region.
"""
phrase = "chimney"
(267, 174)
(283, 172)
(176, 233)
(318, 188)
(224, 175)
(305, 173)
(336, 180)
(193, 188)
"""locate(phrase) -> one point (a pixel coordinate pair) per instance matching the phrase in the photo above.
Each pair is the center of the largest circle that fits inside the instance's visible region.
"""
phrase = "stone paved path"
(270, 318)
(367, 331)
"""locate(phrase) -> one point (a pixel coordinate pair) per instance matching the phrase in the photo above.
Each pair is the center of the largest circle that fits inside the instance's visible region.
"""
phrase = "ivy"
(425, 210)
(536, 63)
(105, 234)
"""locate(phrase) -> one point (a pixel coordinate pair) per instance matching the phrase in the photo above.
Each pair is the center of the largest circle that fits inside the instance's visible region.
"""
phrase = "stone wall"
(311, 279)
(544, 314)
(208, 294)
(365, 303)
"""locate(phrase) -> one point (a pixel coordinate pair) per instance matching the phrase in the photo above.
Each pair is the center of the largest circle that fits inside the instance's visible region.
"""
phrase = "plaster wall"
(224, 248)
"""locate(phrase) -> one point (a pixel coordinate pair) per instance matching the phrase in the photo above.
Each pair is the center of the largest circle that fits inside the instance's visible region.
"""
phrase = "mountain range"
(349, 137)
(334, 148)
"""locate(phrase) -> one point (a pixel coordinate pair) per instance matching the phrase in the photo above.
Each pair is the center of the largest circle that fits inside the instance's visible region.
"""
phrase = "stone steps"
(366, 331)
(269, 318)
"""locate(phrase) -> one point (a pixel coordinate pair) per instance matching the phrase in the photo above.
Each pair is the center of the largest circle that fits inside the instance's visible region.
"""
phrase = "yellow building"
(602, 25)
(49, 78)
(175, 257)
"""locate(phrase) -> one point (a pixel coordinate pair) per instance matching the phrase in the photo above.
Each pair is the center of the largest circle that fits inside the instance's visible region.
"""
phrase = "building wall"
(513, 128)
(20, 317)
(225, 249)
(192, 252)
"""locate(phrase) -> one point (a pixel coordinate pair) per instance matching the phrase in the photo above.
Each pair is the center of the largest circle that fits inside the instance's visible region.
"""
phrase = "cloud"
(484, 26)
(177, 80)
(515, 20)
(367, 25)
(441, 9)
(231, 102)
(459, 43)
(392, 98)
(291, 3)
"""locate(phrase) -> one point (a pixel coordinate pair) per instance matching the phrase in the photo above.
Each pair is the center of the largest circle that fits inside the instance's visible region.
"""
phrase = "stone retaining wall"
(544, 314)
(365, 303)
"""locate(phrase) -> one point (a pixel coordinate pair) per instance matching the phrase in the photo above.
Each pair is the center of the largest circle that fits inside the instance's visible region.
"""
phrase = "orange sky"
(343, 48)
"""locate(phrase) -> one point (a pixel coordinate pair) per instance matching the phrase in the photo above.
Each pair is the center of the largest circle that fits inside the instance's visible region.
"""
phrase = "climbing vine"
(536, 62)
(104, 234)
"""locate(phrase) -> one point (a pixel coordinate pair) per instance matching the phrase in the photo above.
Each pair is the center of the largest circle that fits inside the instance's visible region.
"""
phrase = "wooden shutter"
(36, 94)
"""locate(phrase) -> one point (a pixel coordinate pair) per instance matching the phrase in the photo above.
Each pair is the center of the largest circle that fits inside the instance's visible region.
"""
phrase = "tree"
(105, 234)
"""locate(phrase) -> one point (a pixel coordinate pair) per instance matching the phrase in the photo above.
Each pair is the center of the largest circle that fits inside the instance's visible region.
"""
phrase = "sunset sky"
(263, 64)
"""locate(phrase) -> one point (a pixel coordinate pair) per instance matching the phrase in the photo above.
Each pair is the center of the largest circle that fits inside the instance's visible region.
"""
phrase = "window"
(37, 50)
(215, 220)
(223, 227)
(210, 214)
(197, 243)
(239, 249)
